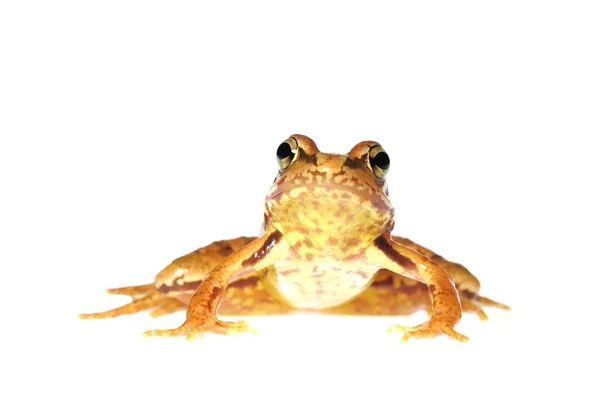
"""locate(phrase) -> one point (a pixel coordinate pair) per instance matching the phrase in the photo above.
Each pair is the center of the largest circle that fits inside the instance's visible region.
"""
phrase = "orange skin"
(325, 245)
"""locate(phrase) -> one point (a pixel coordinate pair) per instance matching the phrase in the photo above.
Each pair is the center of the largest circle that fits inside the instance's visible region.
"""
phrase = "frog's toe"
(471, 302)
(234, 327)
(196, 326)
(180, 331)
(427, 330)
(471, 306)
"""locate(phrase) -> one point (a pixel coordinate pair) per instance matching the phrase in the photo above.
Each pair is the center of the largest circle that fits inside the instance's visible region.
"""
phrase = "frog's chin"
(318, 195)
(324, 211)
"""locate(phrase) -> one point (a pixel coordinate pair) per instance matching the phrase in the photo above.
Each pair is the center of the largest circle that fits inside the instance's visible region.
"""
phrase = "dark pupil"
(284, 151)
(382, 160)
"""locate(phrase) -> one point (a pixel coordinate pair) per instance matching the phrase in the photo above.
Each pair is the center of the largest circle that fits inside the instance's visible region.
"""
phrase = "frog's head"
(327, 195)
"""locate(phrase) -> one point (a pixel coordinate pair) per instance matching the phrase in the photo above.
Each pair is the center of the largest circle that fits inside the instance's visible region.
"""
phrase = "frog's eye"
(287, 152)
(379, 161)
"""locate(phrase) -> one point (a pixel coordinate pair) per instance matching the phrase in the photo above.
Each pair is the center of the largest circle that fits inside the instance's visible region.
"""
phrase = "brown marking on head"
(300, 179)
(264, 250)
(317, 173)
(332, 241)
(312, 159)
(349, 163)
(382, 244)
(339, 173)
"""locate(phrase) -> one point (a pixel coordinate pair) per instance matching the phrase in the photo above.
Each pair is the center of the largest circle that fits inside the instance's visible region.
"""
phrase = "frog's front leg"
(446, 308)
(183, 275)
(202, 310)
(466, 283)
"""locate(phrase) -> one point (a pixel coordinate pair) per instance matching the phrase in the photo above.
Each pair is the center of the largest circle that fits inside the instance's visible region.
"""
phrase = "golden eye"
(287, 152)
(379, 161)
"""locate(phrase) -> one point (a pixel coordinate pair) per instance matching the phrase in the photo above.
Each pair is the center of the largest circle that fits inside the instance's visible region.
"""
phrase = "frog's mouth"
(320, 211)
(319, 195)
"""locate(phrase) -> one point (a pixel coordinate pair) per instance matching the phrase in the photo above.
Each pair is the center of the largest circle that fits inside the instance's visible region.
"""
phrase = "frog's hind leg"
(248, 296)
(466, 283)
(393, 294)
(175, 284)
(145, 297)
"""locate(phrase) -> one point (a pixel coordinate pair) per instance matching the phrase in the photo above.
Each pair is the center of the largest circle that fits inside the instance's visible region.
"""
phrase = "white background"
(133, 132)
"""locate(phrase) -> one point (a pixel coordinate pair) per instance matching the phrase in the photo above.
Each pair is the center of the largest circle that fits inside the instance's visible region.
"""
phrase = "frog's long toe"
(183, 330)
(469, 305)
(491, 303)
(160, 304)
(135, 306)
(134, 291)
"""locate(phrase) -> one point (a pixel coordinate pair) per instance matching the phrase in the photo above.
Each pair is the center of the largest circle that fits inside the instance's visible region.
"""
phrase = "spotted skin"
(326, 244)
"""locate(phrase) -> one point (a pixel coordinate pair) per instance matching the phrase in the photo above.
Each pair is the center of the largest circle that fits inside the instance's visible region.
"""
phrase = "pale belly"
(324, 285)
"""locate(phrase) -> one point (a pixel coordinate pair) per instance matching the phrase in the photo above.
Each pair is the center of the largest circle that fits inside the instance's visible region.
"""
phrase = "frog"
(326, 244)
